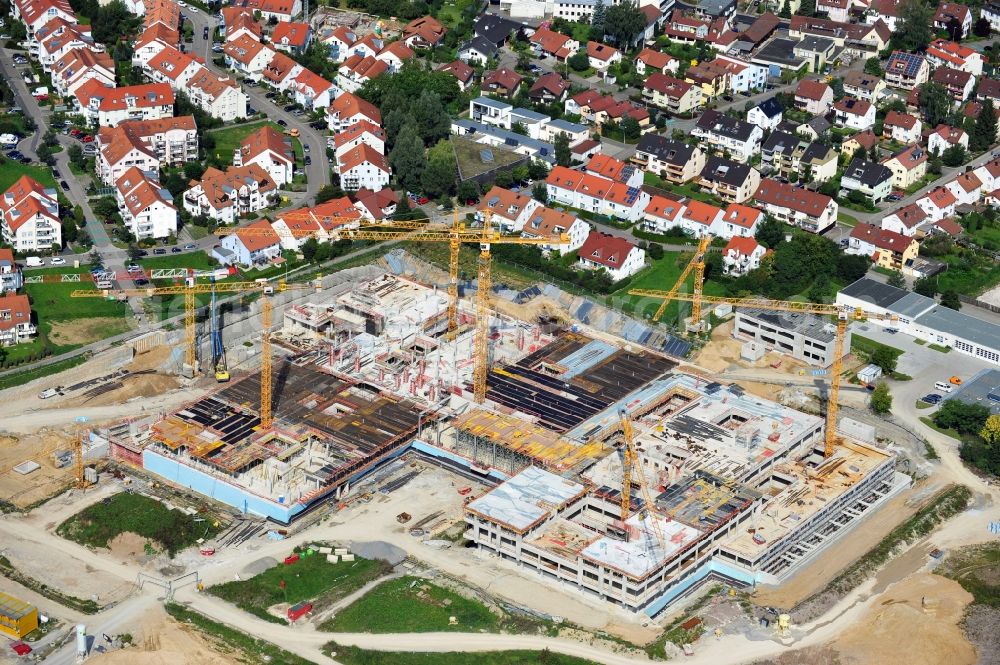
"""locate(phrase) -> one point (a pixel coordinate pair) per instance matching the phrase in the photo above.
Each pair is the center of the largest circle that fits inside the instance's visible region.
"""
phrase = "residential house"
(239, 22)
(906, 70)
(608, 167)
(902, 127)
(601, 56)
(270, 150)
(649, 61)
(967, 188)
(423, 33)
(504, 82)
(597, 109)
(394, 55)
(378, 205)
(908, 166)
(165, 64)
(326, 220)
(58, 37)
(15, 319)
(661, 214)
(858, 40)
(110, 106)
(991, 12)
(29, 217)
(477, 50)
(509, 210)
(291, 37)
(944, 53)
(738, 221)
(147, 144)
(147, 208)
(463, 73)
(312, 91)
(951, 14)
(218, 96)
(726, 74)
(814, 129)
(907, 220)
(699, 219)
(120, 150)
(78, 67)
(813, 97)
(989, 174)
(767, 115)
(256, 244)
(545, 222)
(282, 11)
(10, 274)
(741, 255)
(871, 179)
(338, 41)
(863, 85)
(498, 29)
(938, 203)
(887, 249)
(549, 87)
(554, 44)
(854, 114)
(34, 14)
(672, 94)
(595, 194)
(797, 206)
(674, 161)
(817, 162)
(575, 133)
(357, 70)
(836, 10)
(224, 196)
(948, 227)
(361, 132)
(247, 57)
(863, 141)
(944, 137)
(730, 181)
(958, 83)
(816, 52)
(616, 255)
(739, 139)
(778, 152)
(364, 167)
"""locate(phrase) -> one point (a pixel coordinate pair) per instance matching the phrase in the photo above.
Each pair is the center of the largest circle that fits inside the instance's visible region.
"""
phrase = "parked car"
(204, 33)
(282, 123)
(25, 160)
(288, 108)
(87, 139)
(190, 245)
(64, 185)
(159, 251)
(56, 174)
(271, 95)
(308, 160)
(175, 250)
(57, 261)
(133, 267)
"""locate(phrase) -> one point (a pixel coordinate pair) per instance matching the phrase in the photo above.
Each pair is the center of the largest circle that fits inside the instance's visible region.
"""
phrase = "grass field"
(228, 139)
(977, 569)
(310, 578)
(196, 260)
(20, 378)
(356, 656)
(99, 524)
(412, 605)
(868, 346)
(661, 275)
(10, 171)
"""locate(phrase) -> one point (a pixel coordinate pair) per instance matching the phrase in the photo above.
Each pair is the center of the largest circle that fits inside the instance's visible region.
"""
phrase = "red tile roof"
(814, 90)
(605, 249)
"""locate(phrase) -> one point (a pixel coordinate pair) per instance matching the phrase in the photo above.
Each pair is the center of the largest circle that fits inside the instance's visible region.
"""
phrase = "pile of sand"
(128, 545)
(915, 622)
(162, 641)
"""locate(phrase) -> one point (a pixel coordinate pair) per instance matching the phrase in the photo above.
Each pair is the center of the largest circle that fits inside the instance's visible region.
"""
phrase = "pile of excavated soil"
(915, 622)
(128, 545)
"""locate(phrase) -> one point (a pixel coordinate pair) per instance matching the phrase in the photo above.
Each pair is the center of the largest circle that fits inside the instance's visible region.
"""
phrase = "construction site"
(607, 465)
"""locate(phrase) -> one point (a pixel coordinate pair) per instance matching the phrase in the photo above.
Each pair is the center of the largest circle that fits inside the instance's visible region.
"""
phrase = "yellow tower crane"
(630, 460)
(454, 235)
(697, 264)
(189, 290)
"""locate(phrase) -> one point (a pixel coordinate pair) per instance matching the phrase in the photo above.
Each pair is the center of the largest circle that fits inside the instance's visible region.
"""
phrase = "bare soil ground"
(85, 331)
(915, 622)
(532, 310)
(723, 353)
(161, 640)
(24, 490)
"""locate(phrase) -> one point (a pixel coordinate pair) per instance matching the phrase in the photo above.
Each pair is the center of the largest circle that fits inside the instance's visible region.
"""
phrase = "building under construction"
(723, 484)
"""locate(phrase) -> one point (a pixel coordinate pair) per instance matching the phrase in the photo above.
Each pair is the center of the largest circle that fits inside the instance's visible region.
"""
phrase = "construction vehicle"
(454, 235)
(189, 290)
(218, 350)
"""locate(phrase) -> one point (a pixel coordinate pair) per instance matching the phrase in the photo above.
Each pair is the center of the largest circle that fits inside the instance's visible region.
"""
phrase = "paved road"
(318, 172)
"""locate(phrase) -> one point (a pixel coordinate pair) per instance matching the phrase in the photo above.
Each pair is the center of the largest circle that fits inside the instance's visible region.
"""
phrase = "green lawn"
(846, 220)
(310, 578)
(20, 378)
(356, 656)
(10, 171)
(229, 138)
(868, 346)
(126, 512)
(412, 605)
(661, 275)
(196, 260)
(691, 191)
(968, 273)
(450, 13)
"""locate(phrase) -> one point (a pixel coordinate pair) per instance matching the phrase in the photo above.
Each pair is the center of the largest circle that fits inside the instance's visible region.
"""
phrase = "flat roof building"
(802, 336)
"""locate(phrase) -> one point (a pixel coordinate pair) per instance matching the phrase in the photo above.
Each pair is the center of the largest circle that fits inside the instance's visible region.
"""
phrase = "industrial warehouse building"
(803, 336)
(17, 618)
(924, 318)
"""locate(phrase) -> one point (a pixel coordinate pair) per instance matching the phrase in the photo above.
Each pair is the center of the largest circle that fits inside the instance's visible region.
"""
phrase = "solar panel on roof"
(486, 155)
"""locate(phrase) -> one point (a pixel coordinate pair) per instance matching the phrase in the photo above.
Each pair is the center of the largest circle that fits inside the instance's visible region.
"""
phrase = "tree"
(540, 192)
(934, 102)
(926, 286)
(954, 156)
(630, 127)
(308, 248)
(962, 417)
(837, 85)
(563, 155)
(913, 29)
(75, 154)
(439, 176)
(504, 179)
(881, 399)
(407, 158)
(105, 207)
(69, 229)
(579, 61)
(991, 430)
(597, 19)
(770, 232)
(785, 11)
(624, 23)
(896, 279)
(934, 163)
(193, 170)
(981, 28)
(885, 357)
(468, 190)
(984, 130)
(807, 8)
(950, 300)
(655, 251)
(327, 193)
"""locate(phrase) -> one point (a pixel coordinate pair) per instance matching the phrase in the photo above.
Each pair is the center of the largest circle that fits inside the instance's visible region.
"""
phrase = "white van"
(34, 261)
(105, 284)
(944, 387)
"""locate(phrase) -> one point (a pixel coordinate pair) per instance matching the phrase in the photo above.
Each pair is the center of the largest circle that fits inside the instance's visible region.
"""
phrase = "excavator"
(218, 350)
